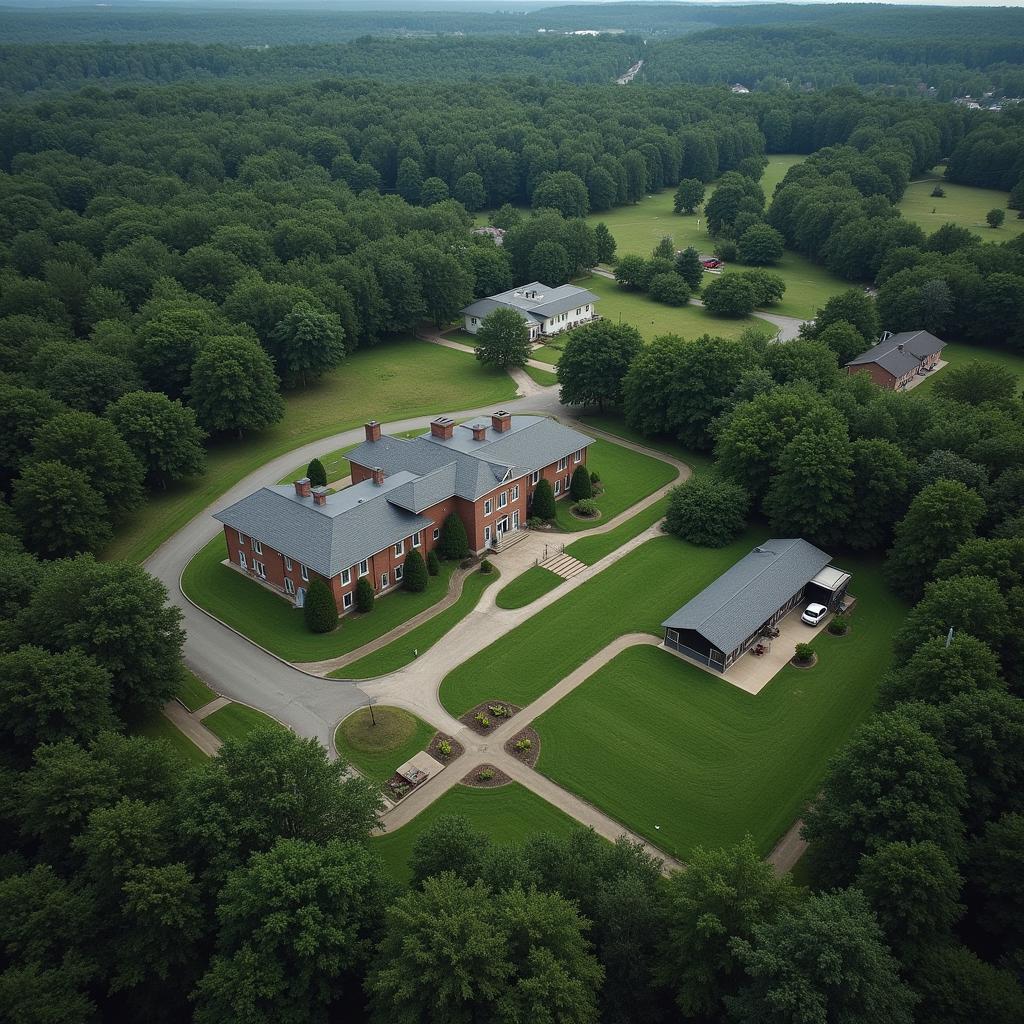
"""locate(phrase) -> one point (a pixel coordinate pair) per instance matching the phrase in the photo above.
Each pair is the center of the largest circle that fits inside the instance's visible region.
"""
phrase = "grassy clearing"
(778, 165)
(378, 742)
(236, 721)
(592, 549)
(627, 477)
(613, 423)
(508, 814)
(808, 286)
(544, 378)
(274, 623)
(547, 354)
(957, 355)
(526, 588)
(632, 596)
(158, 727)
(963, 205)
(399, 653)
(395, 379)
(194, 693)
(653, 740)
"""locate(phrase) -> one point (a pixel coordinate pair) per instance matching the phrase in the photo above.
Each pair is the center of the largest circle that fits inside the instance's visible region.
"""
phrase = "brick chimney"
(479, 431)
(319, 495)
(302, 487)
(442, 427)
(372, 431)
(501, 421)
(377, 475)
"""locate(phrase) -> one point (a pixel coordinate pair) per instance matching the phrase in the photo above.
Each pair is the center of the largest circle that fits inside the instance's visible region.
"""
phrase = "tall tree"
(162, 434)
(306, 343)
(503, 339)
(594, 362)
(689, 195)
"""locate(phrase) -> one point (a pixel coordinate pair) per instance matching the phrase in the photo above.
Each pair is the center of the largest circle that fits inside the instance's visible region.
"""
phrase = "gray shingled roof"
(902, 353)
(356, 522)
(750, 592)
(547, 303)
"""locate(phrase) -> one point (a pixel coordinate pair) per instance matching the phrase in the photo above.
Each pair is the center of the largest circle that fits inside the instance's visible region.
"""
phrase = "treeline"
(27, 69)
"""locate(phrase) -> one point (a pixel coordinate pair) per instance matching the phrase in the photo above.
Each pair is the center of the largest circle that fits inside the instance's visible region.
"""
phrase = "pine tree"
(454, 543)
(414, 573)
(580, 486)
(433, 563)
(320, 609)
(543, 501)
(364, 595)
(316, 473)
(689, 268)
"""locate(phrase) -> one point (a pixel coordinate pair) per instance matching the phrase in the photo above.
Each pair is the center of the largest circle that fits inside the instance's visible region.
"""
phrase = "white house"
(546, 310)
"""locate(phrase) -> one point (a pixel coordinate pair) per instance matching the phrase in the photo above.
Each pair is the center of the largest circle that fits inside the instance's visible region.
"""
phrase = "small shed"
(726, 618)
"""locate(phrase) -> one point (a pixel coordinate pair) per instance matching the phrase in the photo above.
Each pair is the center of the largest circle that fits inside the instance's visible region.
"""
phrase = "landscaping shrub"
(534, 522)
(594, 478)
(580, 485)
(454, 543)
(485, 775)
(444, 748)
(483, 720)
(544, 501)
(364, 595)
(670, 289)
(804, 653)
(524, 744)
(433, 563)
(839, 626)
(707, 510)
(316, 473)
(414, 573)
(320, 609)
(486, 566)
(586, 509)
(498, 710)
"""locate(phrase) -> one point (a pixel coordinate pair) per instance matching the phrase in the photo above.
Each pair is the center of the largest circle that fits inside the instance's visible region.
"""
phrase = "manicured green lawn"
(808, 286)
(273, 623)
(542, 377)
(652, 318)
(547, 354)
(957, 355)
(378, 742)
(655, 741)
(632, 596)
(962, 205)
(399, 653)
(194, 693)
(593, 549)
(507, 814)
(158, 727)
(527, 587)
(613, 423)
(236, 721)
(627, 477)
(395, 379)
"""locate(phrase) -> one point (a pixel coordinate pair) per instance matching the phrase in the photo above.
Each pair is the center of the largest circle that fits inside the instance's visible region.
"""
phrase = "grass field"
(808, 286)
(378, 742)
(158, 727)
(653, 740)
(545, 378)
(957, 355)
(962, 205)
(527, 587)
(399, 653)
(392, 380)
(632, 596)
(613, 423)
(236, 721)
(273, 623)
(627, 477)
(194, 693)
(507, 814)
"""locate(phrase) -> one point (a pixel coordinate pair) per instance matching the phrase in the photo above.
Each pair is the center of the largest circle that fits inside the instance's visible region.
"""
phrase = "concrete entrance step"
(510, 539)
(563, 565)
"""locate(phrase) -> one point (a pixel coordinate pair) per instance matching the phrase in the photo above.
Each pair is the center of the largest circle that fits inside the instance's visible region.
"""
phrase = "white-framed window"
(304, 572)
(563, 462)
(399, 572)
(241, 536)
(503, 499)
(472, 320)
(400, 547)
(287, 563)
(364, 567)
(515, 493)
(535, 478)
(346, 601)
(346, 577)
(578, 311)
(257, 546)
(260, 569)
(558, 487)
(578, 457)
(289, 587)
(437, 533)
(415, 540)
(383, 581)
(488, 507)
(241, 560)
(487, 535)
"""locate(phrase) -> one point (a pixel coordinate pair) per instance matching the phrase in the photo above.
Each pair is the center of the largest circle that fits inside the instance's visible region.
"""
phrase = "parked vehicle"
(813, 614)
(710, 262)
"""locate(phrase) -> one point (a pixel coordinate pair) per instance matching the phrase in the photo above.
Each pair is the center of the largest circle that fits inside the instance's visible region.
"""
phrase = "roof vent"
(479, 431)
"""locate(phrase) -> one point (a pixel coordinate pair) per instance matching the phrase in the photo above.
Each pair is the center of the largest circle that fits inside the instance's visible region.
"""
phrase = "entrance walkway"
(563, 565)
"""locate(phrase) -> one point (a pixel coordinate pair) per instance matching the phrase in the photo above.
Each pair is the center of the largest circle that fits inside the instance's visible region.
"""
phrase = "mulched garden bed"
(469, 718)
(586, 519)
(457, 748)
(528, 757)
(804, 664)
(499, 779)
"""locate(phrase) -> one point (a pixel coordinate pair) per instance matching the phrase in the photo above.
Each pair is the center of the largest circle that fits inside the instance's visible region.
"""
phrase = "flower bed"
(486, 776)
(518, 748)
(436, 748)
(486, 717)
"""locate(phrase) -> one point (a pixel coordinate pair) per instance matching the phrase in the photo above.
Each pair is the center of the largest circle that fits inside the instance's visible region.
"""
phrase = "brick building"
(898, 358)
(402, 491)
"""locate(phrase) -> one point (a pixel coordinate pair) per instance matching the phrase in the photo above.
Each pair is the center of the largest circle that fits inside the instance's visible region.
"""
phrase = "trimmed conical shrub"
(364, 595)
(414, 573)
(316, 473)
(454, 543)
(543, 501)
(433, 563)
(320, 609)
(580, 486)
